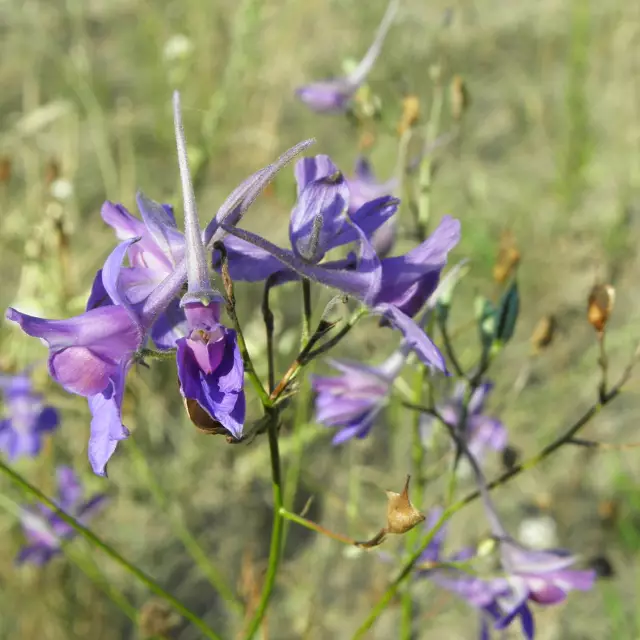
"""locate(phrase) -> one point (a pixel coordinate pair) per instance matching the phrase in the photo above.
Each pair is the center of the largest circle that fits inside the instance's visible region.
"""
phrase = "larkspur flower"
(333, 96)
(353, 400)
(45, 530)
(91, 354)
(27, 420)
(479, 430)
(482, 594)
(364, 187)
(320, 221)
(394, 288)
(210, 365)
(544, 577)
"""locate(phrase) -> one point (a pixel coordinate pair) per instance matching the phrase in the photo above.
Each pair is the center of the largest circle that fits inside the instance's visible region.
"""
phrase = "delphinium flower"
(45, 530)
(353, 400)
(210, 365)
(91, 354)
(445, 572)
(333, 96)
(395, 287)
(26, 419)
(528, 575)
(479, 430)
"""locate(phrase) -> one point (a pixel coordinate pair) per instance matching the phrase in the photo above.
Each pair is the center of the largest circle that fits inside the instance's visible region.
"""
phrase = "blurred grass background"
(549, 149)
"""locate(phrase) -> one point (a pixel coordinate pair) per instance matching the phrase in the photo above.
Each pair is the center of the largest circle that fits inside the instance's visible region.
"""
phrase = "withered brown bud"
(410, 113)
(5, 169)
(203, 421)
(508, 257)
(157, 619)
(600, 306)
(402, 516)
(543, 333)
(459, 96)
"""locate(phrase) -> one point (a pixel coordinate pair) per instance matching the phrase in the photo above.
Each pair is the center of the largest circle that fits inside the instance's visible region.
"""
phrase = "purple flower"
(320, 221)
(45, 531)
(90, 355)
(352, 400)
(481, 594)
(26, 421)
(333, 96)
(544, 577)
(395, 289)
(480, 431)
(210, 365)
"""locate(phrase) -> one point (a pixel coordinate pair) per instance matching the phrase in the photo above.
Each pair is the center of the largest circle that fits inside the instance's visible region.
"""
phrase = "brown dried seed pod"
(600, 306)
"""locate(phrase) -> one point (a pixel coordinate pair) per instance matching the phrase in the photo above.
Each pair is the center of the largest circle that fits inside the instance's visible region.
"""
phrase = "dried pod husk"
(203, 421)
(410, 113)
(508, 257)
(459, 96)
(402, 516)
(157, 619)
(600, 306)
(543, 333)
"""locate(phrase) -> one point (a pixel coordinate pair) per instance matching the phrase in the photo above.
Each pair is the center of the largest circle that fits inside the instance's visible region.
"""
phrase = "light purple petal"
(106, 423)
(69, 488)
(306, 170)
(414, 336)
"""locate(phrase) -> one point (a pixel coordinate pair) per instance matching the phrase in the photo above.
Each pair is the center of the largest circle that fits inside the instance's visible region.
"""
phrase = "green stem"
(306, 312)
(313, 526)
(275, 550)
(417, 458)
(192, 546)
(93, 539)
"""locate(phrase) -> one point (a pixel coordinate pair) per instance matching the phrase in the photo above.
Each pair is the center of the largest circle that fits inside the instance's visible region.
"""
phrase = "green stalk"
(275, 550)
(198, 555)
(94, 540)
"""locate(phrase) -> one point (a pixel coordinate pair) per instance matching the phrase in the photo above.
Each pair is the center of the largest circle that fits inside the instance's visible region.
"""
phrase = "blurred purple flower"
(482, 594)
(480, 431)
(90, 355)
(333, 96)
(210, 365)
(26, 421)
(352, 400)
(45, 531)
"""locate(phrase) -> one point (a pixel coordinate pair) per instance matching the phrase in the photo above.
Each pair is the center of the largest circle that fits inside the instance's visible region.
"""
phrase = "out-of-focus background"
(548, 150)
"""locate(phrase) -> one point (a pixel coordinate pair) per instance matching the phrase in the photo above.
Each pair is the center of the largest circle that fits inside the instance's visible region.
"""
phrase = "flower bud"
(600, 306)
(508, 257)
(459, 96)
(410, 113)
(543, 333)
